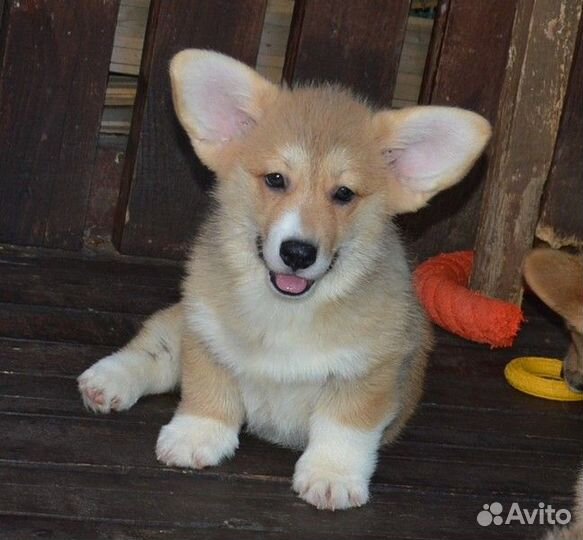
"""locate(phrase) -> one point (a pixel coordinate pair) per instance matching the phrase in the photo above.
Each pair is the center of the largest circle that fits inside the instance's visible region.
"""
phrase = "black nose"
(297, 255)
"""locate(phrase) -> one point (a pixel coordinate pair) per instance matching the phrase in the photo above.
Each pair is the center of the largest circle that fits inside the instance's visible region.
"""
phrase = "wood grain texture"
(531, 102)
(55, 60)
(436, 43)
(355, 43)
(465, 68)
(43, 287)
(129, 40)
(103, 195)
(561, 221)
(164, 186)
(70, 474)
(67, 324)
(221, 506)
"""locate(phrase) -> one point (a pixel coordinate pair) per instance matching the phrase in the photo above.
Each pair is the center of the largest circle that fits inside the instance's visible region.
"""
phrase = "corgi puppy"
(557, 279)
(298, 318)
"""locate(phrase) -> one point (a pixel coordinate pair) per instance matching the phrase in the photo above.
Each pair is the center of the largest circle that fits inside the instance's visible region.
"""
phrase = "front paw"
(109, 385)
(195, 442)
(328, 485)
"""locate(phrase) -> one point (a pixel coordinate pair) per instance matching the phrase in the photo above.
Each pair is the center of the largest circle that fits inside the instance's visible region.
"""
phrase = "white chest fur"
(279, 412)
(281, 374)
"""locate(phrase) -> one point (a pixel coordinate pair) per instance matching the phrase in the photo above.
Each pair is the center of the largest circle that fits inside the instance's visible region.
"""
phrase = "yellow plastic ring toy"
(540, 377)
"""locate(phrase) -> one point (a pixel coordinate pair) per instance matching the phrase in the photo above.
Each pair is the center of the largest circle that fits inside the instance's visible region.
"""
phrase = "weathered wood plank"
(459, 463)
(105, 185)
(55, 61)
(531, 102)
(48, 358)
(130, 30)
(32, 287)
(204, 502)
(132, 18)
(412, 480)
(436, 43)
(334, 40)
(561, 221)
(164, 186)
(66, 324)
(24, 362)
(19, 527)
(465, 68)
(477, 440)
(138, 271)
(448, 421)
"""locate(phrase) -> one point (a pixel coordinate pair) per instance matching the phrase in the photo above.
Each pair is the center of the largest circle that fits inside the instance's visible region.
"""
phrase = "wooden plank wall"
(166, 183)
(50, 111)
(163, 186)
(561, 220)
(335, 40)
(129, 38)
(531, 103)
(131, 29)
(465, 68)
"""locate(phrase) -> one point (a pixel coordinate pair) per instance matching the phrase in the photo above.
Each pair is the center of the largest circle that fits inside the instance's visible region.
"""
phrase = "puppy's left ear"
(427, 149)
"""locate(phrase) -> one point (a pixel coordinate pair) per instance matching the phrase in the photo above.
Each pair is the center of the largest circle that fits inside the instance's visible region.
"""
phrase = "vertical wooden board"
(533, 93)
(465, 68)
(55, 59)
(163, 197)
(355, 43)
(561, 221)
(104, 193)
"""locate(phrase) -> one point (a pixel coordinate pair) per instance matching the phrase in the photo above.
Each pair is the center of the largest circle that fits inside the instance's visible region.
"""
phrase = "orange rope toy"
(442, 286)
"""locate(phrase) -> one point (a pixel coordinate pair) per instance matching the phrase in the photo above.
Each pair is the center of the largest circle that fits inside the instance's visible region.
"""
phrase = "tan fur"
(364, 403)
(557, 279)
(208, 389)
(394, 381)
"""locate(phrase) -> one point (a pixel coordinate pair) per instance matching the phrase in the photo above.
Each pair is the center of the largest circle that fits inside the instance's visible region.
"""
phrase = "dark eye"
(275, 180)
(343, 195)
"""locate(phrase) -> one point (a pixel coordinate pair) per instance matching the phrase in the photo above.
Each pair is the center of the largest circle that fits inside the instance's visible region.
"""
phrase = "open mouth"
(290, 284)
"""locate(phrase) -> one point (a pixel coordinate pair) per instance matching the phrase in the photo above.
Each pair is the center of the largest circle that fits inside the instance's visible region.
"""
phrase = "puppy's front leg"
(573, 363)
(205, 427)
(346, 431)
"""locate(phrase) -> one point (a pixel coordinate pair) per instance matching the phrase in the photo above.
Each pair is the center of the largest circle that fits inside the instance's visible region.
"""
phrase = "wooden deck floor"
(66, 473)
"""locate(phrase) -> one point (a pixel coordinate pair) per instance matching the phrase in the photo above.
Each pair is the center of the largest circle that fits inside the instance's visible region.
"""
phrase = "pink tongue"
(291, 284)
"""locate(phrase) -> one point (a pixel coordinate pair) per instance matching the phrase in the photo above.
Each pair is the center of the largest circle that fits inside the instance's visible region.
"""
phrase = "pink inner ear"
(423, 155)
(226, 121)
(218, 104)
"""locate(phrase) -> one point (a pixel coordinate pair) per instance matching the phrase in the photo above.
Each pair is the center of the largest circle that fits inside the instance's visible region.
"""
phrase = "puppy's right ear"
(557, 279)
(218, 100)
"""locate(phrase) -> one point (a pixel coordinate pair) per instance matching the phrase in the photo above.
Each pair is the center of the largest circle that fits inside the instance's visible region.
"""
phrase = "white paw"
(109, 385)
(195, 442)
(328, 486)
